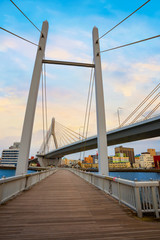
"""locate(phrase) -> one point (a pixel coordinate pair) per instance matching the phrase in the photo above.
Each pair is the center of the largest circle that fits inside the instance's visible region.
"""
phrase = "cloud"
(129, 74)
(7, 44)
(59, 53)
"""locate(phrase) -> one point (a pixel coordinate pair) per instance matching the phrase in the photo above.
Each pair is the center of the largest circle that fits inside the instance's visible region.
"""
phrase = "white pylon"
(22, 164)
(100, 108)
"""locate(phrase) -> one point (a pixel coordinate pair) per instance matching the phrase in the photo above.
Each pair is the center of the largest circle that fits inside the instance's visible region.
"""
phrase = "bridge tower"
(100, 108)
(22, 164)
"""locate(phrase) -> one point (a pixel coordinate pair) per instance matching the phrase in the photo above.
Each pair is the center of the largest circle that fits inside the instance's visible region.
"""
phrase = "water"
(140, 176)
(10, 172)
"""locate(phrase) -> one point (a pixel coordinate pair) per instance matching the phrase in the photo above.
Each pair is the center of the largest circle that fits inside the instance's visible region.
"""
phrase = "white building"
(10, 156)
(146, 160)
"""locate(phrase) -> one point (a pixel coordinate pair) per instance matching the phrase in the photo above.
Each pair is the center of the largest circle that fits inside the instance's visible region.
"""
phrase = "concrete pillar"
(22, 163)
(100, 108)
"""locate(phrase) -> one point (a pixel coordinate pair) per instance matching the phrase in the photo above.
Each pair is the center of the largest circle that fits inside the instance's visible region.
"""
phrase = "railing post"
(119, 192)
(100, 108)
(22, 163)
(155, 204)
(138, 202)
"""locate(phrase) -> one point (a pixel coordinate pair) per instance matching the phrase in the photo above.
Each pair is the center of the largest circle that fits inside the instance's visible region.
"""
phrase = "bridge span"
(149, 128)
(64, 206)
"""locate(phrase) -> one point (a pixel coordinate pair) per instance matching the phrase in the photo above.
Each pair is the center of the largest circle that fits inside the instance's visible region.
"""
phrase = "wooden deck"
(64, 206)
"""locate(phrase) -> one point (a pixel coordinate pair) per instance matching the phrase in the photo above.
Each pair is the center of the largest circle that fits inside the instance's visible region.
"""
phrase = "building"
(88, 159)
(152, 151)
(129, 152)
(95, 158)
(69, 162)
(157, 161)
(119, 161)
(10, 156)
(146, 160)
(119, 165)
(137, 161)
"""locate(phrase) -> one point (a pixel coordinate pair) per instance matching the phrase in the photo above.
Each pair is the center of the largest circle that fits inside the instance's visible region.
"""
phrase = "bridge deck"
(64, 206)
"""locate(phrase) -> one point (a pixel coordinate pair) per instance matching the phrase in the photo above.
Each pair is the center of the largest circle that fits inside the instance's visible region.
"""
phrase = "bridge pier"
(44, 162)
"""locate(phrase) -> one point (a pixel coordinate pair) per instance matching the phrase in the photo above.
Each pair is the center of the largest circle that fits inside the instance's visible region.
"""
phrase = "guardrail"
(12, 186)
(142, 197)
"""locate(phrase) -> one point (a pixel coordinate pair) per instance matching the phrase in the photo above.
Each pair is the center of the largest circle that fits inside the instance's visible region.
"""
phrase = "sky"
(129, 74)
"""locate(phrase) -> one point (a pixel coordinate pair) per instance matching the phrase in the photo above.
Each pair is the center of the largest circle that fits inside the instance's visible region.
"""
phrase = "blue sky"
(129, 74)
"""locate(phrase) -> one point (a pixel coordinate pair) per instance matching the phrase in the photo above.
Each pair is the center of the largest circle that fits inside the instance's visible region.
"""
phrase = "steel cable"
(124, 20)
(129, 44)
(153, 110)
(148, 105)
(25, 15)
(19, 36)
(141, 104)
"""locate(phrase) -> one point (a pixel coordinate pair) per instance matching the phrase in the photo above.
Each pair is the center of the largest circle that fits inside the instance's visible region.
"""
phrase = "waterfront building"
(119, 165)
(157, 161)
(137, 161)
(157, 153)
(129, 152)
(119, 161)
(88, 159)
(152, 151)
(10, 156)
(95, 158)
(146, 160)
(89, 165)
(69, 162)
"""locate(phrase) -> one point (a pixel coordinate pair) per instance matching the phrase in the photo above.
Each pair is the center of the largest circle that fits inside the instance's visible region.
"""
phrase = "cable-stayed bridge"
(64, 203)
(146, 129)
(96, 76)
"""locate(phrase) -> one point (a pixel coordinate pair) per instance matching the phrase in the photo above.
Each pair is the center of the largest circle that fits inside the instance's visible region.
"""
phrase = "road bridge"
(138, 131)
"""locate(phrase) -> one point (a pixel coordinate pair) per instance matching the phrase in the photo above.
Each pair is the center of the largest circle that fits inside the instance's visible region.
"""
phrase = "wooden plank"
(64, 206)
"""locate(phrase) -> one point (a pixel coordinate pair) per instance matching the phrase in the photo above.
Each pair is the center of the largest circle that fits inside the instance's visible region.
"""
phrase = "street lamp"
(80, 139)
(119, 108)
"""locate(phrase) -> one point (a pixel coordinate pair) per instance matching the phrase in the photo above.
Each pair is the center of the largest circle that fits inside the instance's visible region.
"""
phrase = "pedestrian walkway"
(64, 206)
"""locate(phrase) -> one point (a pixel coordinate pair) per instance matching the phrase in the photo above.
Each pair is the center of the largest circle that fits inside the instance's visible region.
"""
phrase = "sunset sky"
(129, 74)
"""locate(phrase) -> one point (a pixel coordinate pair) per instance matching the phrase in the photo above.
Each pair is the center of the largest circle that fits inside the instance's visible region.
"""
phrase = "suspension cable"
(148, 105)
(66, 135)
(124, 20)
(140, 105)
(73, 132)
(68, 131)
(86, 112)
(57, 138)
(89, 110)
(60, 138)
(128, 44)
(153, 110)
(45, 97)
(43, 115)
(18, 36)
(25, 15)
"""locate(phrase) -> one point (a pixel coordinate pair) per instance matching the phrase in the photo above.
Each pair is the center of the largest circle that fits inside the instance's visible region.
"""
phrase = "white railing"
(11, 186)
(142, 197)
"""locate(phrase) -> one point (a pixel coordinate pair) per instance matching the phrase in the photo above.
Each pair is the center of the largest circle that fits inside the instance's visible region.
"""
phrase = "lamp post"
(119, 108)
(80, 139)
